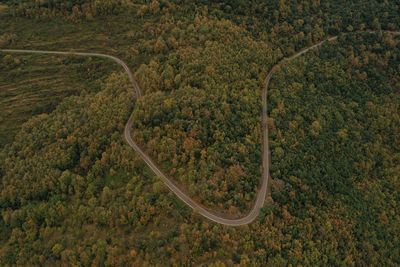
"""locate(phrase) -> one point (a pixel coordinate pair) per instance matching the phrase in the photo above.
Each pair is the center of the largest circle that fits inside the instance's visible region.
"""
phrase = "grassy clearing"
(33, 84)
(115, 35)
(3, 8)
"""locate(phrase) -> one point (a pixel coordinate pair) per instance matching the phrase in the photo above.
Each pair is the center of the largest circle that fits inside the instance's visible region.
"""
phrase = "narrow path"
(259, 202)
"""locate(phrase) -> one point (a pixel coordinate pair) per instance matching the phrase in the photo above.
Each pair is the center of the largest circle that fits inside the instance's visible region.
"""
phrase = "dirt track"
(260, 198)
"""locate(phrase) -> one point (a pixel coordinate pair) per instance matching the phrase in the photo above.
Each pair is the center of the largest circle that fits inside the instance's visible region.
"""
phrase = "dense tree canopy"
(72, 192)
(206, 131)
(334, 141)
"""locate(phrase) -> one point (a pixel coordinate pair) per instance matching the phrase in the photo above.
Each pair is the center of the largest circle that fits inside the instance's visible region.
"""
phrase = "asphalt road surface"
(262, 192)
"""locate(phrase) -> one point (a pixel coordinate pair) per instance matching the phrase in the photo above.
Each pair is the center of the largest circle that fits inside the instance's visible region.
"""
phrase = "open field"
(30, 85)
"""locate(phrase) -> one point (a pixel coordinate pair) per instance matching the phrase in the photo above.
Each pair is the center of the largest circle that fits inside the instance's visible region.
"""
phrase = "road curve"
(260, 198)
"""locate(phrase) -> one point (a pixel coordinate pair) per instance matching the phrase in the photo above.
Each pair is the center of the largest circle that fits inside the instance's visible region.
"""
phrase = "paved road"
(260, 198)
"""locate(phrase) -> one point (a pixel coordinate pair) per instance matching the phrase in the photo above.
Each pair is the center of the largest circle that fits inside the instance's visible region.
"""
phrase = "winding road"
(262, 192)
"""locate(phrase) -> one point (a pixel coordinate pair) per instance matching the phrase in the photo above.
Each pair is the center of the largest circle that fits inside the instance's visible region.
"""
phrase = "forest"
(72, 192)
